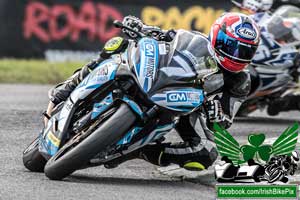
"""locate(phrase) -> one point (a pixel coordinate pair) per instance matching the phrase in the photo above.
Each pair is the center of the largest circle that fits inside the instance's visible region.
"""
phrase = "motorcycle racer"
(260, 9)
(229, 49)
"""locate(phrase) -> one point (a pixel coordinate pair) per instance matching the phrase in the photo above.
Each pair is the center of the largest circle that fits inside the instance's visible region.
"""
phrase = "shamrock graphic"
(228, 147)
(256, 147)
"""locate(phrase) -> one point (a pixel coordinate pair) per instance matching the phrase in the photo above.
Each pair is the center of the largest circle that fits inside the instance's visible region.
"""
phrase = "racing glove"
(134, 23)
(151, 31)
(215, 114)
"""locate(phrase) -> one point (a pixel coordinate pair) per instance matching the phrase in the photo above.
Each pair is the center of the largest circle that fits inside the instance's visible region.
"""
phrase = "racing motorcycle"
(128, 101)
(275, 67)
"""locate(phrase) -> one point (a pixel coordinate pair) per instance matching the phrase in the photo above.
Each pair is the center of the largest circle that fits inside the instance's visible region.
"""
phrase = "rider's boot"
(157, 154)
(162, 155)
(150, 153)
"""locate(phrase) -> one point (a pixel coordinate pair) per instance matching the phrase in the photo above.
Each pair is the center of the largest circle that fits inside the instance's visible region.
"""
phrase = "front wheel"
(32, 158)
(73, 155)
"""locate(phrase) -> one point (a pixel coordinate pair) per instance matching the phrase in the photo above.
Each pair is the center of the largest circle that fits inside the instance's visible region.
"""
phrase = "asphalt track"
(20, 120)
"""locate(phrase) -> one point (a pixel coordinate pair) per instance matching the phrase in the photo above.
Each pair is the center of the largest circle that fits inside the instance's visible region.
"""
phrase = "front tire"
(32, 158)
(68, 159)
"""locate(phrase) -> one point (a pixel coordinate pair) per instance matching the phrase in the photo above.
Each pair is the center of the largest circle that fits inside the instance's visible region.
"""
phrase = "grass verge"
(35, 71)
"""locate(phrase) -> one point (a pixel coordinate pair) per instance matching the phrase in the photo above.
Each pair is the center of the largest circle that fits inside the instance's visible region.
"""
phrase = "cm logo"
(149, 49)
(176, 97)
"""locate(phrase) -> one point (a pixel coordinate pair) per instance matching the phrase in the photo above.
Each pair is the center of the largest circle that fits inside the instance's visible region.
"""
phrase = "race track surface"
(20, 121)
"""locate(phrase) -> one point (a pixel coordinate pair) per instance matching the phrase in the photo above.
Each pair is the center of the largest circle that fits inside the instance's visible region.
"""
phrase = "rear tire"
(32, 158)
(67, 160)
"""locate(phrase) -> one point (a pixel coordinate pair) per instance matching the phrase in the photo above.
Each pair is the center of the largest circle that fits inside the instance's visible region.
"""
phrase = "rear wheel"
(77, 152)
(32, 158)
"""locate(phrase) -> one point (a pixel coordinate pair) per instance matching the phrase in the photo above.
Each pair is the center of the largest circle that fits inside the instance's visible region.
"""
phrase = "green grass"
(35, 71)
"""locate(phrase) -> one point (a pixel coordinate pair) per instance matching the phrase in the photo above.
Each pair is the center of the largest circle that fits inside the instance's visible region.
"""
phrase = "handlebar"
(119, 24)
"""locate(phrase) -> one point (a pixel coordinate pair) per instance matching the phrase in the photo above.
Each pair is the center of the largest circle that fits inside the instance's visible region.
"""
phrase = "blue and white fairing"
(103, 73)
(146, 67)
(165, 69)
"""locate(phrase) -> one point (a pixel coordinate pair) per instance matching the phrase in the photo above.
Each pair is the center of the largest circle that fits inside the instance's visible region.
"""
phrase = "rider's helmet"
(234, 38)
(254, 5)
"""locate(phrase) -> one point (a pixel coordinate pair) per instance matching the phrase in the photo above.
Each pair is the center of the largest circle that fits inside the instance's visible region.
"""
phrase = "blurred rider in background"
(280, 30)
(260, 9)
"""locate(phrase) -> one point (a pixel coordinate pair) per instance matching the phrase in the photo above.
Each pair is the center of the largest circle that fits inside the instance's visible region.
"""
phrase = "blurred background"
(44, 41)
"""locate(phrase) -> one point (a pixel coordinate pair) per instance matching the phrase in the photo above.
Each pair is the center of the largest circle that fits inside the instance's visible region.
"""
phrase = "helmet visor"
(234, 49)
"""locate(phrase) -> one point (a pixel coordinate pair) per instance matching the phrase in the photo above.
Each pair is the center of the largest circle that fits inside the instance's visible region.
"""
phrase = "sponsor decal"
(149, 49)
(150, 61)
(101, 74)
(103, 71)
(246, 33)
(177, 97)
(149, 57)
(191, 97)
